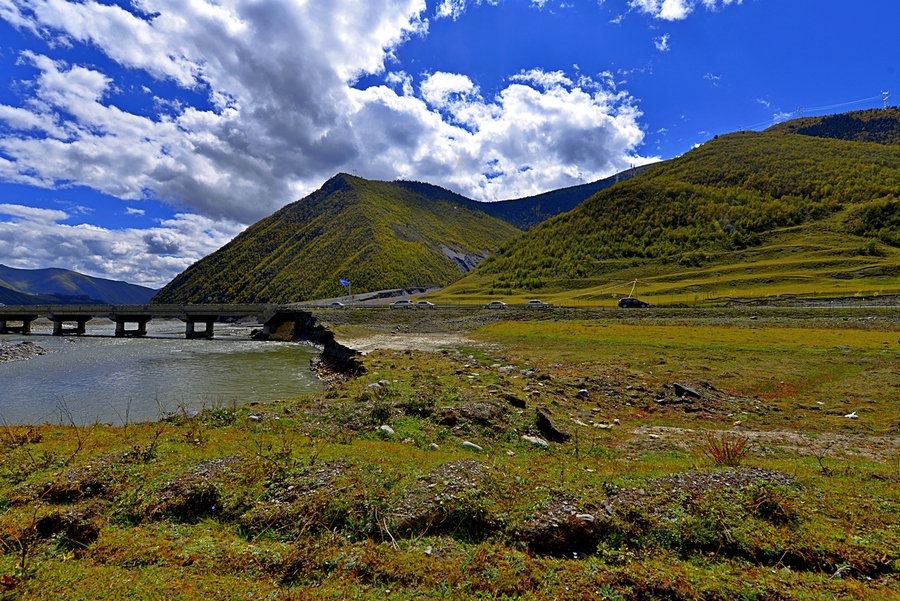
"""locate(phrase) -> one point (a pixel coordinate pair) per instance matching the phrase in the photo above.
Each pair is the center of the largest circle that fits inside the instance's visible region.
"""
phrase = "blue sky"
(138, 136)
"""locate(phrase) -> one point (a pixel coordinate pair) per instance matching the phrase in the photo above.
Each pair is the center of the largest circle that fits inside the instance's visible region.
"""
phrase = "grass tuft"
(727, 450)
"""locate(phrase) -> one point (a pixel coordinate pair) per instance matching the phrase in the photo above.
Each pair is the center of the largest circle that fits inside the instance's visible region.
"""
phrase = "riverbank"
(543, 459)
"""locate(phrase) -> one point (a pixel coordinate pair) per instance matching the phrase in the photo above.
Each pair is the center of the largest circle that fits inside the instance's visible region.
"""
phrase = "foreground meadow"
(734, 457)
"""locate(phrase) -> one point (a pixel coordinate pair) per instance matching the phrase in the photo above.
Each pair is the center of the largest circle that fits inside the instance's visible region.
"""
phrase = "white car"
(495, 305)
(402, 304)
(537, 304)
(424, 305)
(336, 305)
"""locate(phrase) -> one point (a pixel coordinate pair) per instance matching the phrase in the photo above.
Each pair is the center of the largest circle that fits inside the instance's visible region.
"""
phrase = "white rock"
(852, 415)
(387, 429)
(472, 446)
(535, 440)
(433, 447)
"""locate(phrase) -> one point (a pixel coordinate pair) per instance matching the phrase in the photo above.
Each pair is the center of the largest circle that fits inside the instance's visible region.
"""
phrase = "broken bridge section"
(132, 320)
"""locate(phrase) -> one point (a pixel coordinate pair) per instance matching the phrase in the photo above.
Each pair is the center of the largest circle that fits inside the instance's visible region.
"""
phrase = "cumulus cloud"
(283, 112)
(33, 238)
(676, 10)
(541, 131)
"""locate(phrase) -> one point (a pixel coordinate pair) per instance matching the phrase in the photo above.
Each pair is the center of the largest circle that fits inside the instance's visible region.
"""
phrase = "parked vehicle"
(424, 305)
(537, 304)
(632, 303)
(495, 305)
(336, 305)
(402, 304)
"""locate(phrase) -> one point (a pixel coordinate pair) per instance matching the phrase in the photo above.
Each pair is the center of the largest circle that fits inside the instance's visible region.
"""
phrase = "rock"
(684, 391)
(20, 352)
(551, 430)
(583, 394)
(587, 517)
(472, 446)
(374, 385)
(433, 447)
(387, 430)
(852, 415)
(254, 418)
(616, 421)
(535, 440)
(384, 382)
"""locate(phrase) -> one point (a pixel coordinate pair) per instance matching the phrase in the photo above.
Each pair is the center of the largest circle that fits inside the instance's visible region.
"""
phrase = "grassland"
(798, 263)
(621, 499)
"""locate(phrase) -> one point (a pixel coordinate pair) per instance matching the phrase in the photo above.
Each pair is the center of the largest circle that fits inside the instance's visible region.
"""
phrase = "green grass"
(319, 503)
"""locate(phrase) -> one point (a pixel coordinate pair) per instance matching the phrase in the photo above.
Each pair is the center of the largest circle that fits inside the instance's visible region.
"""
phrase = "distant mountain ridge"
(525, 213)
(64, 287)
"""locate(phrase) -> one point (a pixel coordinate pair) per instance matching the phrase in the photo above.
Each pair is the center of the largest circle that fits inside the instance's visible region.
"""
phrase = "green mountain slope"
(746, 209)
(881, 126)
(61, 286)
(378, 235)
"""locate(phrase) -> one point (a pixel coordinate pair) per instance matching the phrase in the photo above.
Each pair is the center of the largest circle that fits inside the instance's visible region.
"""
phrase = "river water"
(100, 378)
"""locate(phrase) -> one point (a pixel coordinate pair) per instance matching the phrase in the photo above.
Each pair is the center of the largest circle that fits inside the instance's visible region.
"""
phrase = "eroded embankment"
(336, 361)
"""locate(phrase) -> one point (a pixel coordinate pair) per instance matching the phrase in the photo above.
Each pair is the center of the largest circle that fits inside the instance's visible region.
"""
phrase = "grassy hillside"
(378, 235)
(61, 286)
(747, 214)
(874, 125)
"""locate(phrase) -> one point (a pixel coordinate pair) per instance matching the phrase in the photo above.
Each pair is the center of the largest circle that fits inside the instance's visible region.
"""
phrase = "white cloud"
(675, 10)
(35, 238)
(454, 9)
(662, 43)
(134, 211)
(542, 131)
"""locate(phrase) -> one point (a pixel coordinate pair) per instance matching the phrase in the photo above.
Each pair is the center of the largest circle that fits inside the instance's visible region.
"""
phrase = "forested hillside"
(732, 194)
(874, 125)
(376, 235)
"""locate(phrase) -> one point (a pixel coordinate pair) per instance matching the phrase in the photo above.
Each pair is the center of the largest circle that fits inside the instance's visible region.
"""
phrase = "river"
(100, 378)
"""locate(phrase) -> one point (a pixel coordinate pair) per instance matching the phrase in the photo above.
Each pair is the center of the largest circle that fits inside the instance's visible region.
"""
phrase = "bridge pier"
(59, 328)
(141, 330)
(190, 331)
(25, 328)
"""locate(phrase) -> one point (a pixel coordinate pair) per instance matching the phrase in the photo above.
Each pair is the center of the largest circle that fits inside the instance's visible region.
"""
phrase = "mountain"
(881, 126)
(377, 235)
(61, 286)
(767, 207)
(525, 213)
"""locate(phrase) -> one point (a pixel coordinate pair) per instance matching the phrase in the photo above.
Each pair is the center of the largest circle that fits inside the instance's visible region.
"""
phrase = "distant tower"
(885, 96)
(799, 111)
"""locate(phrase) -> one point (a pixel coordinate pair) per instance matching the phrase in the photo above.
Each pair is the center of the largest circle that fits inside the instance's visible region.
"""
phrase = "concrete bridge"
(77, 316)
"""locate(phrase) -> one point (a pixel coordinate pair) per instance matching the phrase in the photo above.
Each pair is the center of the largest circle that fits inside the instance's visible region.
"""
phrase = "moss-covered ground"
(414, 481)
